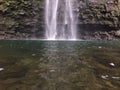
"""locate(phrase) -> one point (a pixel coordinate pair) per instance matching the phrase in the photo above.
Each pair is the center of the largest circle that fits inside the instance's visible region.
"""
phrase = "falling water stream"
(60, 20)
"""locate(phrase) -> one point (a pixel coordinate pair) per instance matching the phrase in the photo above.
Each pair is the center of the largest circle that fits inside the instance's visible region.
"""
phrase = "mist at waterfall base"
(60, 20)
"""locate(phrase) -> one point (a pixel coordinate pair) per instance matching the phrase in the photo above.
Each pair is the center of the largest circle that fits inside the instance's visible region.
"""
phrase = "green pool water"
(59, 65)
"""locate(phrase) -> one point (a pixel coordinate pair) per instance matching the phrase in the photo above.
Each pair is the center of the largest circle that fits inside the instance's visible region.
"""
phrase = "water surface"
(63, 65)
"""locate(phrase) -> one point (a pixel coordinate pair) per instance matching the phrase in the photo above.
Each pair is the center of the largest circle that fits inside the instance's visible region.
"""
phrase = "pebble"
(99, 47)
(104, 76)
(33, 54)
(116, 77)
(52, 70)
(1, 69)
(112, 64)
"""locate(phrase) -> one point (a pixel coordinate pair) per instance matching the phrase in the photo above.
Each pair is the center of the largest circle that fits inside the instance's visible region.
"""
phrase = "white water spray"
(60, 20)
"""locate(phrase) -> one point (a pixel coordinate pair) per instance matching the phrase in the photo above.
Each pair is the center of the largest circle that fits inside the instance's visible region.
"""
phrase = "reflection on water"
(42, 65)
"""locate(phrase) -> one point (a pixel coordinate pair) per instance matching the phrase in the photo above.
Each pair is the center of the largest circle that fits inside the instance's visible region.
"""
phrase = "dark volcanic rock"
(99, 19)
(20, 19)
(24, 19)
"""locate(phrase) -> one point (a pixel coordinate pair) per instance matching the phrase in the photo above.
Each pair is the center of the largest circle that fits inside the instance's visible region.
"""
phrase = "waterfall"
(60, 20)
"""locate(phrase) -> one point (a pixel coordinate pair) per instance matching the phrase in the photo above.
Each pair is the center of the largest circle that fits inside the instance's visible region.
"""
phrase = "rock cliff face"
(21, 19)
(99, 19)
(24, 19)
